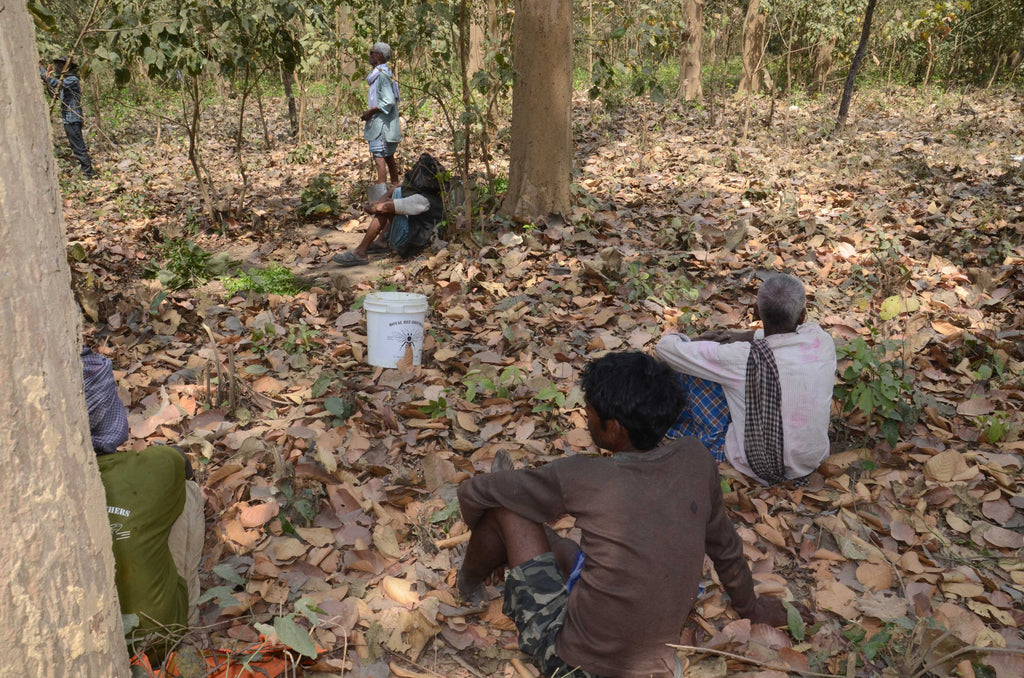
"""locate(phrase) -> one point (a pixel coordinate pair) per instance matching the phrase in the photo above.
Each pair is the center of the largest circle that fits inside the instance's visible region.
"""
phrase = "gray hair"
(383, 49)
(780, 302)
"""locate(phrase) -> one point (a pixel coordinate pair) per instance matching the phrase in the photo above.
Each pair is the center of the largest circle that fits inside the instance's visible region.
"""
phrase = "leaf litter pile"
(330, 484)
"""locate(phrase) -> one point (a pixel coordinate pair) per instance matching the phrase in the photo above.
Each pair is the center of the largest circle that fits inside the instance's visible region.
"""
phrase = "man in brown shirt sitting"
(647, 514)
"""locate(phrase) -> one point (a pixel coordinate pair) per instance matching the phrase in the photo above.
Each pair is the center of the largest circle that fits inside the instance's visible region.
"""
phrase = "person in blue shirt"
(62, 80)
(382, 129)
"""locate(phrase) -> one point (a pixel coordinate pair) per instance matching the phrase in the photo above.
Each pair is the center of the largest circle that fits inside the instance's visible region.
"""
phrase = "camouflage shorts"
(536, 600)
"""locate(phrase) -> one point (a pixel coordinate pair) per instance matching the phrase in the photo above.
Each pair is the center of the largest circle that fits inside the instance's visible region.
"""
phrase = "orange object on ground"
(257, 661)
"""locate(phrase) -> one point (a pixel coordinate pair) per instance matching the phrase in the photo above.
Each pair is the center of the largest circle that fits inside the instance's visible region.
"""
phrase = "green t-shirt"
(145, 495)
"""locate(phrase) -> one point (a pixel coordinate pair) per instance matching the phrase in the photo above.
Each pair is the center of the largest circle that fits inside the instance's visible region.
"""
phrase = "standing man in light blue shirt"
(382, 130)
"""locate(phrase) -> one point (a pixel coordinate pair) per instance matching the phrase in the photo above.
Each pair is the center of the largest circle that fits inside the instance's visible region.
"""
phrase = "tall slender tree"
(851, 75)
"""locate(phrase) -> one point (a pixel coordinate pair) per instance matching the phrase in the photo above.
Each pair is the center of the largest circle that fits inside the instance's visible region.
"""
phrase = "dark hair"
(427, 174)
(641, 393)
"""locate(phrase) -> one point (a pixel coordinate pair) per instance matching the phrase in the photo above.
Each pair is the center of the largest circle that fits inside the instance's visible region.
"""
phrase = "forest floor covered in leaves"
(330, 480)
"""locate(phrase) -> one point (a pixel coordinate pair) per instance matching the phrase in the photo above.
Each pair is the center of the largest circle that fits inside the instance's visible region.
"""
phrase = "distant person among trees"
(404, 220)
(760, 399)
(156, 519)
(382, 129)
(648, 514)
(62, 81)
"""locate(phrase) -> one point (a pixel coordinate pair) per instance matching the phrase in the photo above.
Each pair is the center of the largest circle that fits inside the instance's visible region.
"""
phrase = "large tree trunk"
(477, 35)
(753, 49)
(689, 66)
(60, 613)
(541, 154)
(851, 76)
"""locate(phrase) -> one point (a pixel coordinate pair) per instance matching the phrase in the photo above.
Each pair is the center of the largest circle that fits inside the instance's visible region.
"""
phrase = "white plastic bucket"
(394, 324)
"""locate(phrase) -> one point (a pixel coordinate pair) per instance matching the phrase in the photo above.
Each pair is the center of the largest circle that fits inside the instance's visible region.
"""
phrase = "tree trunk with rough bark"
(287, 83)
(851, 76)
(689, 66)
(753, 49)
(541, 148)
(60, 615)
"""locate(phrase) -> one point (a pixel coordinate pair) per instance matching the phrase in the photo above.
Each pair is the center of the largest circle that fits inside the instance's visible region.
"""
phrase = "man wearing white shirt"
(776, 385)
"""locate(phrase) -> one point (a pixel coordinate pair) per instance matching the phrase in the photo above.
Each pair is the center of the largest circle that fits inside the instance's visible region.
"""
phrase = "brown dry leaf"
(245, 539)
(771, 534)
(976, 407)
(769, 637)
(445, 354)
(326, 445)
(386, 541)
(579, 437)
(466, 421)
(256, 515)
(945, 466)
(875, 576)
(708, 667)
(883, 605)
(734, 632)
(143, 428)
(957, 523)
(1006, 665)
(400, 591)
(1003, 538)
(317, 536)
(490, 430)
(795, 659)
(998, 510)
(284, 549)
(269, 385)
(900, 531)
(494, 617)
(992, 612)
(837, 597)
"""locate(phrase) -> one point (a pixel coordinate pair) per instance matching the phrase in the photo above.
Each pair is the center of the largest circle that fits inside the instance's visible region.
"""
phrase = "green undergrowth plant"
(273, 279)
(492, 384)
(319, 198)
(874, 383)
(281, 625)
(186, 265)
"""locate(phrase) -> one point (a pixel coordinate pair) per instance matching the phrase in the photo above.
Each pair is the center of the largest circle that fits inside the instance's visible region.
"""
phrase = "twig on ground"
(451, 542)
(462, 662)
(968, 650)
(756, 662)
(419, 666)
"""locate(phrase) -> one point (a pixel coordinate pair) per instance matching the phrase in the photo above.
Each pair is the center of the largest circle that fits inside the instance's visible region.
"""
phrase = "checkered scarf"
(108, 420)
(762, 435)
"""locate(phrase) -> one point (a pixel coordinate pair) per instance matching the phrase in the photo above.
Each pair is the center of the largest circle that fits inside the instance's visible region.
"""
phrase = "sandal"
(348, 259)
(377, 247)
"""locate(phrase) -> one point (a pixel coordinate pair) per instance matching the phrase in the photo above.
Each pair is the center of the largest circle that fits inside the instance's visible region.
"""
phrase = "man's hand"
(725, 336)
(771, 611)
